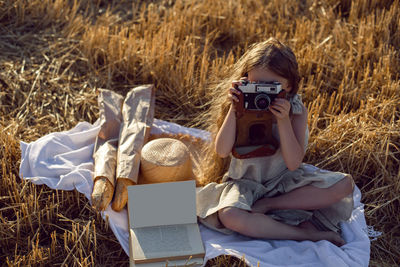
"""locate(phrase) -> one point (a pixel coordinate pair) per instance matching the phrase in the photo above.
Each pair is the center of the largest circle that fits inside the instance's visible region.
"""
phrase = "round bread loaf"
(165, 160)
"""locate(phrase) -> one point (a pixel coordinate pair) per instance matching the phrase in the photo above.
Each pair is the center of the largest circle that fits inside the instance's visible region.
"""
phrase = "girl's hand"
(233, 93)
(233, 96)
(280, 108)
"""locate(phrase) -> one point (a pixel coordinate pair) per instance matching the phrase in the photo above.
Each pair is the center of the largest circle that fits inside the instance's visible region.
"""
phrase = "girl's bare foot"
(336, 239)
(330, 236)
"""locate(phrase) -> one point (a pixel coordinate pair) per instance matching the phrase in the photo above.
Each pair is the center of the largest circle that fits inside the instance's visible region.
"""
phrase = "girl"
(273, 197)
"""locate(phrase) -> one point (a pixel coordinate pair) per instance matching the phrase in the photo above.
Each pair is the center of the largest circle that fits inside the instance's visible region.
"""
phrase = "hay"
(55, 54)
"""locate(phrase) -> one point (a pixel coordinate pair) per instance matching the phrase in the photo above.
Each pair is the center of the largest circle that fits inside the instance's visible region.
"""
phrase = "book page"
(166, 241)
(166, 238)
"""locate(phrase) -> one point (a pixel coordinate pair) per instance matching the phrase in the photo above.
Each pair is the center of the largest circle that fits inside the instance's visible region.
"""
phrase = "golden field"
(56, 53)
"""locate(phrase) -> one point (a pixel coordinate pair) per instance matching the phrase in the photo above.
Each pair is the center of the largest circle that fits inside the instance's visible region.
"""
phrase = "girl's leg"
(306, 198)
(259, 225)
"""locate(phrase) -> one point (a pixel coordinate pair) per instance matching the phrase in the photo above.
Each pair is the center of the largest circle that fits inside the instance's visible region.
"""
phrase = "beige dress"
(248, 180)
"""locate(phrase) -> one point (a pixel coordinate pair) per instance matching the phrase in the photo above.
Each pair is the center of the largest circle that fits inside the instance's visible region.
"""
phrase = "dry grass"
(56, 53)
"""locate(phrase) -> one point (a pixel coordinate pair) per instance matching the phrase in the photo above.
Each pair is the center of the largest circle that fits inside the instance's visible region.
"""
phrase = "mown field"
(54, 54)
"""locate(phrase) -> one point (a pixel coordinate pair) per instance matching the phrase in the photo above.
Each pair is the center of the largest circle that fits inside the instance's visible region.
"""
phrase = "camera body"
(254, 137)
(259, 95)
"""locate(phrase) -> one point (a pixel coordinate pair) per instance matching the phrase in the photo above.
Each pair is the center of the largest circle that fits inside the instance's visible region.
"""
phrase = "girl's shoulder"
(297, 105)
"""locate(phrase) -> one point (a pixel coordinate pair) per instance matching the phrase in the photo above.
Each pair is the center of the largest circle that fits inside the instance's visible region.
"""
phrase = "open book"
(163, 225)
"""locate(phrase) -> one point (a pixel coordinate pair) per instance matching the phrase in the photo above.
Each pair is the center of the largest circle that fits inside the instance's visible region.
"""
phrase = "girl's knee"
(231, 218)
(342, 188)
(348, 184)
(226, 214)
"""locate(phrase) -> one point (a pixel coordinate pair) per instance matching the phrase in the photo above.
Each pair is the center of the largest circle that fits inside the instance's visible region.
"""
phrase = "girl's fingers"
(233, 94)
(233, 90)
(275, 109)
(234, 98)
(280, 107)
(279, 115)
(284, 104)
(274, 112)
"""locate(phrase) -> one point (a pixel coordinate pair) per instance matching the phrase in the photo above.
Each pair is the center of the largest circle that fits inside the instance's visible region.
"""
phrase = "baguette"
(121, 194)
(102, 193)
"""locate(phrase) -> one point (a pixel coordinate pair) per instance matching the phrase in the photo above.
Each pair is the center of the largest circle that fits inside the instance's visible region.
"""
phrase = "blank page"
(162, 204)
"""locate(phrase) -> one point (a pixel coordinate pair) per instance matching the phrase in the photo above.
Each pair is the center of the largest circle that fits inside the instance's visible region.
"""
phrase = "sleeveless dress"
(248, 180)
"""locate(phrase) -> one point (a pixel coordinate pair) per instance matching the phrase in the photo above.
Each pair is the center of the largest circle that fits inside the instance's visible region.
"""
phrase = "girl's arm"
(291, 132)
(226, 134)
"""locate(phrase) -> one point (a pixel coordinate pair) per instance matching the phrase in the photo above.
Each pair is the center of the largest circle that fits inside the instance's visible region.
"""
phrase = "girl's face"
(265, 75)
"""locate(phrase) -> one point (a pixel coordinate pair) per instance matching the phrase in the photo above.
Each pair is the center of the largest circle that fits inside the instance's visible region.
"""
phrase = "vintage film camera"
(258, 96)
(254, 136)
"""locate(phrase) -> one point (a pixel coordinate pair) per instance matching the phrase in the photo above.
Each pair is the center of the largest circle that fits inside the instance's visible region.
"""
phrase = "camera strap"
(258, 151)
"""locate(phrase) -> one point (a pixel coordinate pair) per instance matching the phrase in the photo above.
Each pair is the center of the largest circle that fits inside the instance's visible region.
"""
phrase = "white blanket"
(63, 161)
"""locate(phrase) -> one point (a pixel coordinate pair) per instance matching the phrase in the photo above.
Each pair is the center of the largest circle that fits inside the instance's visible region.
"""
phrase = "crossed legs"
(258, 225)
(307, 197)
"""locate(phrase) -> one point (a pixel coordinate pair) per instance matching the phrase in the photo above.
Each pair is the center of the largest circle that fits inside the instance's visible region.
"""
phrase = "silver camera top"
(258, 87)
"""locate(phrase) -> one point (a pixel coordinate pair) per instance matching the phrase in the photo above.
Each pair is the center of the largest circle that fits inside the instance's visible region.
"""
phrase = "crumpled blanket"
(63, 161)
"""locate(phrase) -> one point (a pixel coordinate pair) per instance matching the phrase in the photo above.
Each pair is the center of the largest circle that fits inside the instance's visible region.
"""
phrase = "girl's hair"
(271, 54)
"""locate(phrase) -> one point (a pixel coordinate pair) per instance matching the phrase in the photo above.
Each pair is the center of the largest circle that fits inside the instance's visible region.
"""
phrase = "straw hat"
(165, 160)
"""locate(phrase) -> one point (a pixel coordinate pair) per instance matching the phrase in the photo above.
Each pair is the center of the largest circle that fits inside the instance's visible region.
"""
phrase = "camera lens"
(262, 101)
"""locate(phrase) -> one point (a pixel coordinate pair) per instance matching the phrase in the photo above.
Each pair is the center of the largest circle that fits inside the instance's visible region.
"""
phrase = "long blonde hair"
(271, 54)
